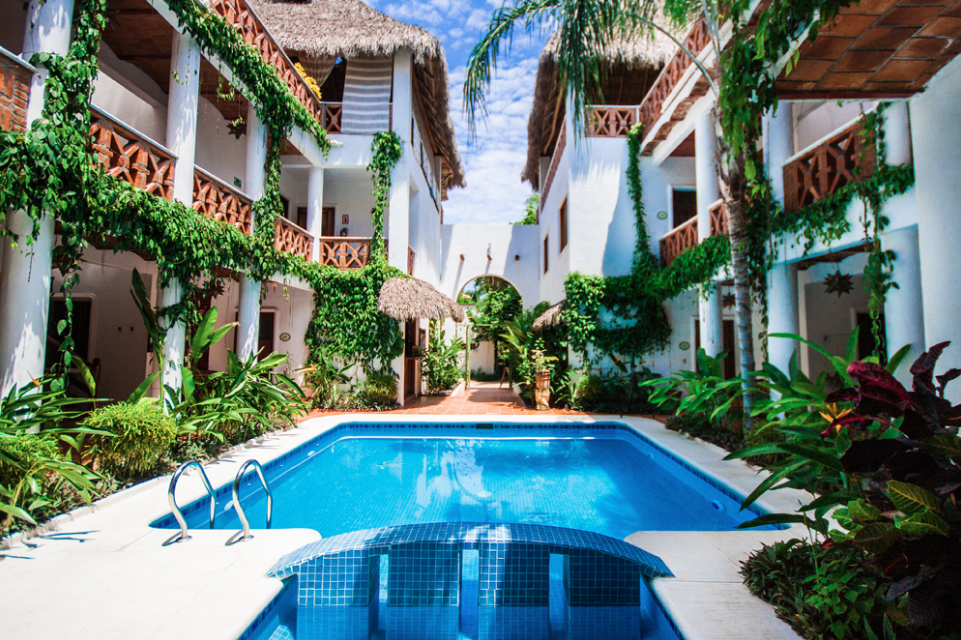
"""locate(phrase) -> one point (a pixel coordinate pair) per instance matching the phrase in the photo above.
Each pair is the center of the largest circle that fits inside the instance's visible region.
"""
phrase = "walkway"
(483, 398)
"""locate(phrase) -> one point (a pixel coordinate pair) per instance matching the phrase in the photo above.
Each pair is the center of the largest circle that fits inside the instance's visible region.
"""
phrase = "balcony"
(684, 236)
(15, 79)
(822, 169)
(610, 121)
(130, 156)
(293, 239)
(219, 201)
(345, 252)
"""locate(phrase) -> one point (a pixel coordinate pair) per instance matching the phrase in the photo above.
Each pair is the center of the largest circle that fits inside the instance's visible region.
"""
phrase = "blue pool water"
(607, 481)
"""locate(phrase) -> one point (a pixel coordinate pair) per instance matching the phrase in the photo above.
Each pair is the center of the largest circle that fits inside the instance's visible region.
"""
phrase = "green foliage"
(703, 394)
(830, 593)
(379, 390)
(496, 302)
(696, 426)
(140, 434)
(441, 362)
(530, 210)
(624, 315)
(324, 376)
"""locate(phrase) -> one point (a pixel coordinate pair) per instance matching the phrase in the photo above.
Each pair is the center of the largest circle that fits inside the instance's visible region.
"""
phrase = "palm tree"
(584, 30)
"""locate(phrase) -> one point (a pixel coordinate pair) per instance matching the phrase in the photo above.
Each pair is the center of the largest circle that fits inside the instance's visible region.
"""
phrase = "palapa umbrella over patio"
(551, 317)
(641, 58)
(315, 30)
(410, 298)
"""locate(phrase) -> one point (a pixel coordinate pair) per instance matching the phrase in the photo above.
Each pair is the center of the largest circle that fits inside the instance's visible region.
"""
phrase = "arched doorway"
(489, 302)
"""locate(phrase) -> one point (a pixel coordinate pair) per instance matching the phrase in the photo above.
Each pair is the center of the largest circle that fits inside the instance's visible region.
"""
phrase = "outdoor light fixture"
(517, 257)
(462, 256)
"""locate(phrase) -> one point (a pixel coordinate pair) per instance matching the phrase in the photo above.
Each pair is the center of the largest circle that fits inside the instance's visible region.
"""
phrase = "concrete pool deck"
(101, 572)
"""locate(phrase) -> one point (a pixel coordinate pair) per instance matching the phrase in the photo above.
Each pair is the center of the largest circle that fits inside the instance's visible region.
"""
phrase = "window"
(302, 217)
(546, 247)
(563, 216)
(684, 203)
(327, 222)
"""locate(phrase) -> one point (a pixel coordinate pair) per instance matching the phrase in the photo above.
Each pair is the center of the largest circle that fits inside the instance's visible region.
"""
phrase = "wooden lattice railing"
(292, 239)
(718, 218)
(607, 121)
(555, 160)
(679, 240)
(331, 116)
(345, 252)
(819, 172)
(221, 202)
(239, 15)
(131, 156)
(15, 80)
(697, 40)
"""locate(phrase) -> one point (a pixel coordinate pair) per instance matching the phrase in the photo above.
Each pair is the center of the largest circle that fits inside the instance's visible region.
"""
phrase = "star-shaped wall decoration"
(839, 283)
(727, 300)
(238, 128)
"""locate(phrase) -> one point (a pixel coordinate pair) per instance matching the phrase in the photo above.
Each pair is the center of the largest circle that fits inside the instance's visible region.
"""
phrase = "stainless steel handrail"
(173, 500)
(240, 510)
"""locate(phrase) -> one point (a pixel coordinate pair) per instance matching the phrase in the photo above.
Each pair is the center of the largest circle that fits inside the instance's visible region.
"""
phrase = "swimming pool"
(603, 478)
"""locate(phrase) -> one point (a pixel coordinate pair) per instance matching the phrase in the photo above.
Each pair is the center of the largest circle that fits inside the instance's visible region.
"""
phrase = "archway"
(489, 302)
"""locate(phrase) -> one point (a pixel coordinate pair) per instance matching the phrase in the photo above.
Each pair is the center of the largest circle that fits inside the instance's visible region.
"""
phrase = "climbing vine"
(624, 315)
(51, 170)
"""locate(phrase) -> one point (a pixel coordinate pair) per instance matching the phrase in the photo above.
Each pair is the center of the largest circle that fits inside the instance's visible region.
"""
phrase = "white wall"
(814, 120)
(131, 96)
(353, 198)
(219, 152)
(504, 242)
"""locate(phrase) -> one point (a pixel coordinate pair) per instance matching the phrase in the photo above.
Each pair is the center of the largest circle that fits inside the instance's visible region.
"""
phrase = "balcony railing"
(221, 202)
(293, 239)
(819, 171)
(241, 17)
(345, 252)
(685, 236)
(15, 79)
(610, 121)
(331, 115)
(131, 156)
(555, 160)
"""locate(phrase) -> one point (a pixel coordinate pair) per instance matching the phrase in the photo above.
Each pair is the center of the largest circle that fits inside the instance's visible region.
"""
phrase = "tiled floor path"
(483, 398)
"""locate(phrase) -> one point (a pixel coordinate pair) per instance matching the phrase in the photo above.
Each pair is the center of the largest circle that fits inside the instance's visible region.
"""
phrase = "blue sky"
(493, 162)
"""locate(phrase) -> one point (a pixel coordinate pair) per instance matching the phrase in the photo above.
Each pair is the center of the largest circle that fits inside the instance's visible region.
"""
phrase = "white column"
(26, 269)
(182, 106)
(778, 146)
(782, 304)
(708, 191)
(315, 209)
(399, 208)
(248, 311)
(897, 133)
(904, 307)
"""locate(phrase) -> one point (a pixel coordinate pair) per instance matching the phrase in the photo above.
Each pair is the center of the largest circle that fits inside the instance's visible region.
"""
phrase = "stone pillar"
(315, 209)
(897, 133)
(782, 304)
(399, 208)
(708, 192)
(248, 311)
(26, 269)
(182, 106)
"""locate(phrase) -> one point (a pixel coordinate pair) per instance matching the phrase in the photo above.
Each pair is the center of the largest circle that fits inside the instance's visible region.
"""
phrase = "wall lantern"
(462, 256)
(517, 257)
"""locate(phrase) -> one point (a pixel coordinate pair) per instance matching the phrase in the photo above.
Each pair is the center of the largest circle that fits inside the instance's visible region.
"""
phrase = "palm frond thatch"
(551, 317)
(410, 298)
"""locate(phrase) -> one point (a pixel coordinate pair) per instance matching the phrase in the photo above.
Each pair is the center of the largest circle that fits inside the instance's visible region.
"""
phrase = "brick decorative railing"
(241, 17)
(331, 116)
(697, 40)
(819, 172)
(132, 157)
(718, 218)
(679, 240)
(607, 121)
(15, 80)
(345, 252)
(293, 239)
(221, 202)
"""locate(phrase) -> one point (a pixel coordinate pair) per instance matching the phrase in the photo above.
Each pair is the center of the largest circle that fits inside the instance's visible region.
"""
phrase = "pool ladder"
(172, 500)
(240, 535)
(245, 534)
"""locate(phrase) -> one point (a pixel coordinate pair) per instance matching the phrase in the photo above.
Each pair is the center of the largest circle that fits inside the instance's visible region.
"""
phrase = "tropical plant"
(32, 417)
(440, 363)
(139, 436)
(324, 376)
(530, 210)
(526, 353)
(379, 390)
(703, 393)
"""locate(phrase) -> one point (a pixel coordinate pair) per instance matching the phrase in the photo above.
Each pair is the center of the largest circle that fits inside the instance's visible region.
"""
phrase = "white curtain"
(367, 95)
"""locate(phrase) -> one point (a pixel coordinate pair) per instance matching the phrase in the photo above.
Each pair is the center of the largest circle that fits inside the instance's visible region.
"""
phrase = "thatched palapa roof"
(410, 298)
(632, 65)
(551, 317)
(348, 29)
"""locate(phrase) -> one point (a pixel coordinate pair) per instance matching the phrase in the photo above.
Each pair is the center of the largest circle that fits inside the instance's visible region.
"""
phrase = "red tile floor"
(483, 398)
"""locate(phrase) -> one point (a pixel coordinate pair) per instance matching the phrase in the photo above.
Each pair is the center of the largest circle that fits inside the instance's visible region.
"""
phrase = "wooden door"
(327, 223)
(729, 363)
(265, 339)
(410, 362)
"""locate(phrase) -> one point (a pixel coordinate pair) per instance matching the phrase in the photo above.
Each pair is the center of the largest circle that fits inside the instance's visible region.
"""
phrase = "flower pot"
(542, 390)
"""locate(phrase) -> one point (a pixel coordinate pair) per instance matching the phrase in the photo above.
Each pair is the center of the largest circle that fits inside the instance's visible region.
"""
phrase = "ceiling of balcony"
(879, 48)
(141, 36)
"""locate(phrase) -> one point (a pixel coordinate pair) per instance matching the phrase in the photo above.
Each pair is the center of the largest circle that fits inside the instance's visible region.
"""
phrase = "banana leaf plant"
(703, 392)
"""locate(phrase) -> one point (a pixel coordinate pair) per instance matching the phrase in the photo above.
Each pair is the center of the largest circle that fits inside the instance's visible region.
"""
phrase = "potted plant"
(542, 378)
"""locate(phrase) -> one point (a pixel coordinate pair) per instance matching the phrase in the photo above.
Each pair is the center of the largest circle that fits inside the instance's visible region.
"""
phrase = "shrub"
(141, 432)
(440, 362)
(379, 389)
(30, 453)
(697, 427)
